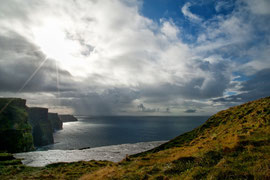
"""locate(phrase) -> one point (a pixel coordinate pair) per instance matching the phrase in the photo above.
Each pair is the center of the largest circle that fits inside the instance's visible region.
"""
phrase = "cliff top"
(12, 101)
(13, 114)
(54, 114)
(232, 144)
(38, 108)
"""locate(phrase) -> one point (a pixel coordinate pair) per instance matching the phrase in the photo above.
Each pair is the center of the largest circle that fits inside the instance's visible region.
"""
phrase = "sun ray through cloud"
(185, 55)
(25, 83)
(57, 83)
(32, 75)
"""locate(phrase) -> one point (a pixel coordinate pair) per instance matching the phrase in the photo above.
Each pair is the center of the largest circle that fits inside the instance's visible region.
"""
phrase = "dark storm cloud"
(213, 85)
(257, 86)
(108, 102)
(131, 63)
(19, 59)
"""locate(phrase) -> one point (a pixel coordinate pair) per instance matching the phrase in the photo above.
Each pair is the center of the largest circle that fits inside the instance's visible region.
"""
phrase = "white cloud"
(261, 7)
(113, 51)
(186, 11)
(223, 5)
(170, 30)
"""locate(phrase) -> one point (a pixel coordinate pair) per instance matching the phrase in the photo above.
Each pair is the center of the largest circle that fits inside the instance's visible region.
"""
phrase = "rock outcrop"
(15, 131)
(56, 122)
(41, 126)
(67, 118)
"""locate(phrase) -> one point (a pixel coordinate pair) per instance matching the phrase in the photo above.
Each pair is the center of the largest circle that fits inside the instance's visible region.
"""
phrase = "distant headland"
(232, 144)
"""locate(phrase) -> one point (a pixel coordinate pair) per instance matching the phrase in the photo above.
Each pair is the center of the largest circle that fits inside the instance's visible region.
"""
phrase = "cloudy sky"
(135, 57)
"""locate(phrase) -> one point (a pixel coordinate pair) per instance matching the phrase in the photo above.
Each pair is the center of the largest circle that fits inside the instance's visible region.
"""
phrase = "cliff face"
(57, 124)
(15, 131)
(67, 118)
(42, 128)
(233, 144)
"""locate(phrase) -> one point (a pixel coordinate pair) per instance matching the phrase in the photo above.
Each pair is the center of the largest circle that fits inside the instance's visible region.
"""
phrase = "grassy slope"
(233, 144)
(11, 168)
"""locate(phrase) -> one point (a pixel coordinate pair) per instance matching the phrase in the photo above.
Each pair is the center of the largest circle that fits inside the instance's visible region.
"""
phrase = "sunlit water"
(113, 153)
(109, 138)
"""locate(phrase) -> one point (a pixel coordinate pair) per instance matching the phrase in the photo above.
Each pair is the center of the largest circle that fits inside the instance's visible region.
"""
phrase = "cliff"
(15, 131)
(67, 118)
(232, 144)
(56, 123)
(41, 126)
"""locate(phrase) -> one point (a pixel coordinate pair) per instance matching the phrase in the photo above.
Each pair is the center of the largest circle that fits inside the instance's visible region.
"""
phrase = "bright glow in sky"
(53, 42)
(150, 57)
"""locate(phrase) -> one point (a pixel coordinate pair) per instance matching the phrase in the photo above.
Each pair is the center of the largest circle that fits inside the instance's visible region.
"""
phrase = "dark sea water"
(108, 138)
(103, 131)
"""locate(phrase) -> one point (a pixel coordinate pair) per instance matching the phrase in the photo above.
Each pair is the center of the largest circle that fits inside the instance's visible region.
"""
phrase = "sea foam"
(113, 153)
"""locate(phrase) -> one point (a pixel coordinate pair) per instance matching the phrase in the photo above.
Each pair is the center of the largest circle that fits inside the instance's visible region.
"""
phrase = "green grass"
(15, 131)
(14, 169)
(232, 144)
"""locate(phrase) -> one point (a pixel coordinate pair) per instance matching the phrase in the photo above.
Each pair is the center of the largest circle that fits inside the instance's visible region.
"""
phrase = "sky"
(135, 57)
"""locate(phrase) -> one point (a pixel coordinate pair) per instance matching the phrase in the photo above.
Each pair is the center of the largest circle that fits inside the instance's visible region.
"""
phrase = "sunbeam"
(31, 77)
(57, 82)
(25, 83)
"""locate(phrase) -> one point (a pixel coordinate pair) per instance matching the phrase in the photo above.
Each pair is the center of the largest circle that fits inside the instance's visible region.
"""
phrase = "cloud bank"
(106, 58)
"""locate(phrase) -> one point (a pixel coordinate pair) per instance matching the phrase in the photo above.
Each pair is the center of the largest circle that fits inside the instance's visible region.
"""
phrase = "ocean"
(109, 138)
(89, 132)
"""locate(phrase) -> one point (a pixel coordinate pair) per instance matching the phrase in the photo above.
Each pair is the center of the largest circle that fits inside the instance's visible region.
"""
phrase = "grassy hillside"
(11, 168)
(232, 144)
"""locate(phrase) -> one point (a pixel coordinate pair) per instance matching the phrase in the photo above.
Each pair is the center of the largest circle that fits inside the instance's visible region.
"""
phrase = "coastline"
(114, 153)
(233, 143)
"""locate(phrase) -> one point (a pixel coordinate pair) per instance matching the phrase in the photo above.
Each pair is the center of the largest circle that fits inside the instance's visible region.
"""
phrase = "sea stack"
(15, 131)
(56, 122)
(41, 126)
(67, 118)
